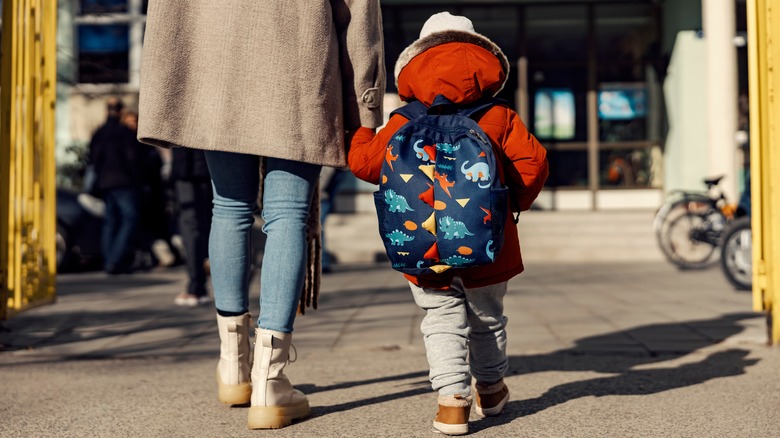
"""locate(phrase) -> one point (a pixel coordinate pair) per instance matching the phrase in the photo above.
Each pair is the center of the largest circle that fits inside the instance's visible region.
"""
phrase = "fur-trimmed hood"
(461, 72)
(451, 36)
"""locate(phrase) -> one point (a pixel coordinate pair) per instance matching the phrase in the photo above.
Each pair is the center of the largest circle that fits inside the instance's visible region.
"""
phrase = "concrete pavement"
(598, 348)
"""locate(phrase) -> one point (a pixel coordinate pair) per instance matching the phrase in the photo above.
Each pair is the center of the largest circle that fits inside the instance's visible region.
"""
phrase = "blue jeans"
(287, 195)
(119, 225)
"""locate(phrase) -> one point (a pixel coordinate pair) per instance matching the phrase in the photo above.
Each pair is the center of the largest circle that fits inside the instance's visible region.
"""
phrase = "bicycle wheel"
(687, 249)
(737, 254)
(664, 218)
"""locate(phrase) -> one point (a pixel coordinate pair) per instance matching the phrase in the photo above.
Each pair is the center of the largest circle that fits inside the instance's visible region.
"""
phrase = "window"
(557, 33)
(557, 98)
(628, 168)
(103, 6)
(103, 53)
(568, 168)
(108, 35)
(622, 109)
(554, 116)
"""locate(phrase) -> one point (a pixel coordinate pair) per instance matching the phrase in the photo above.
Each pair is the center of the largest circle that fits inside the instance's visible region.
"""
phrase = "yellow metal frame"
(28, 224)
(764, 71)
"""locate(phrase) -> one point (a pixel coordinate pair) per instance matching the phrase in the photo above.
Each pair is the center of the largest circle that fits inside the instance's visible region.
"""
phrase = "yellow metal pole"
(764, 80)
(27, 163)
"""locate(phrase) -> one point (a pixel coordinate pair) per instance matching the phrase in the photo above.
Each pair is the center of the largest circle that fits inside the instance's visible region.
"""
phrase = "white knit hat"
(442, 28)
(444, 21)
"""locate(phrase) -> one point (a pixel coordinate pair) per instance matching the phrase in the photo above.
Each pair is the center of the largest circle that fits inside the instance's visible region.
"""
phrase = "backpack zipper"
(476, 134)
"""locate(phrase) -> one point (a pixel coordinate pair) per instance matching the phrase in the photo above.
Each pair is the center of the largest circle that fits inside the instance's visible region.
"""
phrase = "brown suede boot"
(491, 398)
(453, 415)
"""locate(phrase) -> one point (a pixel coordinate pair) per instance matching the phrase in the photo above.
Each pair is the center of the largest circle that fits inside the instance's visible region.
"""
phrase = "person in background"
(152, 246)
(330, 180)
(192, 184)
(464, 328)
(117, 161)
(271, 85)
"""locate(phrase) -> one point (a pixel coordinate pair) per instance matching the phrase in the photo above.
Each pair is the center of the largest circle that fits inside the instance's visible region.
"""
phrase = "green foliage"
(70, 174)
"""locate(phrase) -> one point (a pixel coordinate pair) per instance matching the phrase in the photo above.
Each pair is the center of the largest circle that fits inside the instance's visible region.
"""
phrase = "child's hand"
(360, 155)
(367, 150)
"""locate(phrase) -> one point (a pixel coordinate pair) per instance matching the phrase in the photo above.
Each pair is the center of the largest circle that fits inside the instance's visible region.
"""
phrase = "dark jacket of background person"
(189, 165)
(192, 184)
(116, 156)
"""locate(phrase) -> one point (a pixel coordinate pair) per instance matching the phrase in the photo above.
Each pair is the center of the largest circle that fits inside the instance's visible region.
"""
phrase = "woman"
(272, 81)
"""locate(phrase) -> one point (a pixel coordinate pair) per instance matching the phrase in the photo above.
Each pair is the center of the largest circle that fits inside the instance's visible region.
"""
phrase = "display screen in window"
(622, 101)
(103, 53)
(554, 115)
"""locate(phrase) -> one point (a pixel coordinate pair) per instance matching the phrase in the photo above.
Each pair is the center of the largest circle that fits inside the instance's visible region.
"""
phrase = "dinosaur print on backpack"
(440, 202)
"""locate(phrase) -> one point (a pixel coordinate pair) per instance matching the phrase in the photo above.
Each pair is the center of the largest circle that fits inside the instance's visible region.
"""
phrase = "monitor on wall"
(554, 116)
(622, 101)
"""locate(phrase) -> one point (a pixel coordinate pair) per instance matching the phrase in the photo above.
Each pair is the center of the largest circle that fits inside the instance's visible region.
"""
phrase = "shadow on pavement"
(727, 363)
(613, 353)
(101, 283)
(620, 351)
(100, 335)
(617, 353)
(418, 387)
(311, 389)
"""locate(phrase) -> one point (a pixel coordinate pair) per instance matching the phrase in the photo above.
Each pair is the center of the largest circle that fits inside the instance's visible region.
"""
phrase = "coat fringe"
(311, 285)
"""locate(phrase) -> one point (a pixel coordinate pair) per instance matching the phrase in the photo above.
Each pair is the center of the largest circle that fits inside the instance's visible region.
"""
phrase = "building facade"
(615, 89)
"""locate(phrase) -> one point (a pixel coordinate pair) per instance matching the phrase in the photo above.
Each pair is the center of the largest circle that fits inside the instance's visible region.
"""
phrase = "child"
(464, 325)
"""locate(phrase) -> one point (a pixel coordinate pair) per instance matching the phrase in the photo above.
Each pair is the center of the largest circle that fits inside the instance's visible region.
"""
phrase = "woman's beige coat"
(274, 78)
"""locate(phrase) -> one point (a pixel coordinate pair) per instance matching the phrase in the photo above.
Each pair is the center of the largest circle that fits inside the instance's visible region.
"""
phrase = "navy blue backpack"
(441, 204)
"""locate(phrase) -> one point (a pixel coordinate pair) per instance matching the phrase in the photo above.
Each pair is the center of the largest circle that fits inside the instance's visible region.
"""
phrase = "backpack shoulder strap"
(411, 110)
(415, 108)
(481, 105)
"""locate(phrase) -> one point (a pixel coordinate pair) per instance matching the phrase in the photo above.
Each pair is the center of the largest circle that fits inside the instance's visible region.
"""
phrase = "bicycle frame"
(678, 197)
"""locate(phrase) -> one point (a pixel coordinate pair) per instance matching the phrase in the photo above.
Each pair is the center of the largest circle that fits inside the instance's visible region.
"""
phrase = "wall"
(685, 155)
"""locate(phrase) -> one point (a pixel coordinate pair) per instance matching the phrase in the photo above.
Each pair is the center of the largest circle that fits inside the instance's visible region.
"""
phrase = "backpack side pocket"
(499, 208)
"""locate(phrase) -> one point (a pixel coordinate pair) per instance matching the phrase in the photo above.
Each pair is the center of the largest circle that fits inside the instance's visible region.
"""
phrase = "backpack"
(440, 203)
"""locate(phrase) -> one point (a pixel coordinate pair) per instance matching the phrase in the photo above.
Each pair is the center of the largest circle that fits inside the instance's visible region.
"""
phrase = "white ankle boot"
(274, 401)
(233, 367)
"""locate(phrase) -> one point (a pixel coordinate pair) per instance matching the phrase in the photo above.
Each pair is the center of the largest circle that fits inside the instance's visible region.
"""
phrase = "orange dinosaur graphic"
(488, 215)
(442, 178)
(389, 157)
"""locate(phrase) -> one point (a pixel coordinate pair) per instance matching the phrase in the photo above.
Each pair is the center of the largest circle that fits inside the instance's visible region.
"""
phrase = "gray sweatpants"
(464, 333)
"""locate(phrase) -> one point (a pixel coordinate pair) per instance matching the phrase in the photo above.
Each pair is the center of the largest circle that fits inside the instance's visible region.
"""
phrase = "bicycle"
(689, 226)
(736, 256)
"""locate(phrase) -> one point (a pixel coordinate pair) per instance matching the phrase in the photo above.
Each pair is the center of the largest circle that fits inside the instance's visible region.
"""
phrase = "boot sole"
(276, 417)
(451, 429)
(235, 394)
(239, 394)
(495, 410)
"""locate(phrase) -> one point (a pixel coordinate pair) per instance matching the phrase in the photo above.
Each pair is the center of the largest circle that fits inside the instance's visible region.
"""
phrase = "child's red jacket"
(463, 72)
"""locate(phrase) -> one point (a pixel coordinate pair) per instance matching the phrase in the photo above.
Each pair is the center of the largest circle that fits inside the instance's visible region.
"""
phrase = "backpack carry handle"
(442, 105)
